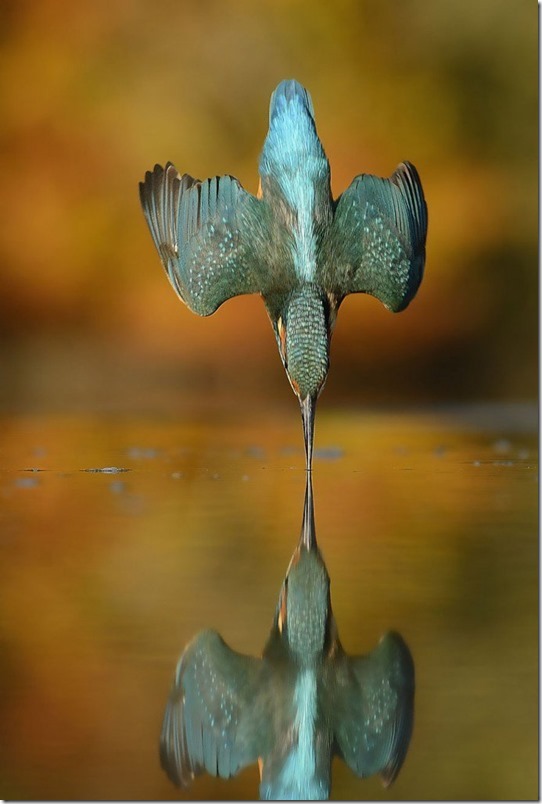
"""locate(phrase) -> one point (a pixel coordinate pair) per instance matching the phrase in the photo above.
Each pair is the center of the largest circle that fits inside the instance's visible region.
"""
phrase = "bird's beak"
(308, 409)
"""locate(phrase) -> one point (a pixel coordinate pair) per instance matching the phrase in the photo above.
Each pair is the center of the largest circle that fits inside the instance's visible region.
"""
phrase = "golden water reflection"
(428, 524)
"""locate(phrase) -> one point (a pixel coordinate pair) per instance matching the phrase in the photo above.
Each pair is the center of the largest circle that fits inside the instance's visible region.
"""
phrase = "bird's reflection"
(302, 702)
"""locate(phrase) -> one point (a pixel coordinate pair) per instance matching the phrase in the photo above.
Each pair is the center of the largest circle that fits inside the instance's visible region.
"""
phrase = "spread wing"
(208, 723)
(374, 709)
(206, 234)
(378, 235)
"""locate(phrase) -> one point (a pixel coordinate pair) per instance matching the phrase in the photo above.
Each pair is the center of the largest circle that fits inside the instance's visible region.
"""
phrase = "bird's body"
(302, 702)
(294, 244)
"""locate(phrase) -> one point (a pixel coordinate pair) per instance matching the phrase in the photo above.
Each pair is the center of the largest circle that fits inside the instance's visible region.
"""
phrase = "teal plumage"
(303, 702)
(293, 242)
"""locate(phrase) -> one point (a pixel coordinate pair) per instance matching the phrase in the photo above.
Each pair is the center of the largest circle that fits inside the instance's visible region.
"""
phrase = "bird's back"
(298, 766)
(295, 175)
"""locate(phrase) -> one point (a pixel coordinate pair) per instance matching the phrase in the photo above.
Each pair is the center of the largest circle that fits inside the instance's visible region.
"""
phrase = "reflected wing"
(375, 709)
(206, 235)
(208, 720)
(378, 238)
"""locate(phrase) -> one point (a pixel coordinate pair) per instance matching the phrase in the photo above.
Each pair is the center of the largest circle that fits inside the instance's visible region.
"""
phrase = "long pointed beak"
(308, 410)
(308, 529)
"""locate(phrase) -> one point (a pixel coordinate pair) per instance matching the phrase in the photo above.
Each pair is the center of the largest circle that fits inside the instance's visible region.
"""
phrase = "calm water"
(428, 524)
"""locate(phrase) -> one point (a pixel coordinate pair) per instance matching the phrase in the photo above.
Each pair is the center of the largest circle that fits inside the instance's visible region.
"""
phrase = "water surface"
(428, 525)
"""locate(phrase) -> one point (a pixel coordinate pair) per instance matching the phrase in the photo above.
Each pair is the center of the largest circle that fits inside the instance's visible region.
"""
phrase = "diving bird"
(294, 244)
(304, 701)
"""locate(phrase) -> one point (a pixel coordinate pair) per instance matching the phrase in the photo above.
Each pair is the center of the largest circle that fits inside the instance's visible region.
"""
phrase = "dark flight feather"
(207, 235)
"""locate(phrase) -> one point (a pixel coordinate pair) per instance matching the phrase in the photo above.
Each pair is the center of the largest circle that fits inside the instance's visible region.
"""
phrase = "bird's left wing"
(373, 709)
(377, 239)
(208, 723)
(207, 234)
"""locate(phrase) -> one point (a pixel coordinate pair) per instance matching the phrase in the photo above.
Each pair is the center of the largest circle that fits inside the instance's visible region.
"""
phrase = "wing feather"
(209, 236)
(377, 241)
(374, 712)
(208, 722)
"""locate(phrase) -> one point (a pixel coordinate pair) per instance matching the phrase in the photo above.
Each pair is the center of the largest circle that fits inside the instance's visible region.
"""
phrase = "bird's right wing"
(208, 722)
(377, 242)
(207, 234)
(373, 709)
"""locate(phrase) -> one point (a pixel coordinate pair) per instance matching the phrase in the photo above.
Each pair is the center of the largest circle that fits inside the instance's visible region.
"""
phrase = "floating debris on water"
(176, 475)
(329, 453)
(143, 453)
(26, 482)
(501, 445)
(253, 451)
(117, 486)
(503, 463)
(34, 469)
(108, 470)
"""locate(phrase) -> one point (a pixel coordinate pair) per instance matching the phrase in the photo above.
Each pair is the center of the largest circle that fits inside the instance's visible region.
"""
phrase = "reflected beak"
(308, 530)
(308, 409)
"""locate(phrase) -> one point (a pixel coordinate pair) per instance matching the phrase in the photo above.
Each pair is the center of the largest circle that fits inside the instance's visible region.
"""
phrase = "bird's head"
(304, 606)
(304, 609)
(303, 323)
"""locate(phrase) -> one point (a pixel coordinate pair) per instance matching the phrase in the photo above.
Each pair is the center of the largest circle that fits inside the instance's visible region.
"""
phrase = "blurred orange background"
(92, 95)
(427, 517)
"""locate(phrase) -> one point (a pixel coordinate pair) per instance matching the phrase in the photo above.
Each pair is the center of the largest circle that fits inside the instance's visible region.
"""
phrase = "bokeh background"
(425, 464)
(92, 95)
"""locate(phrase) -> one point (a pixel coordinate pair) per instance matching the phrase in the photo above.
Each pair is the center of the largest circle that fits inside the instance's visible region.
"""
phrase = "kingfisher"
(295, 245)
(304, 701)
